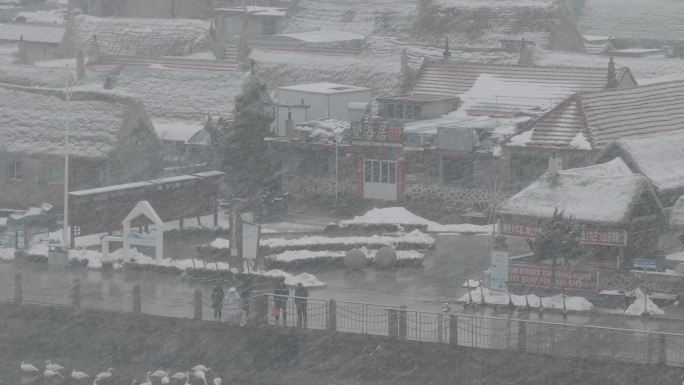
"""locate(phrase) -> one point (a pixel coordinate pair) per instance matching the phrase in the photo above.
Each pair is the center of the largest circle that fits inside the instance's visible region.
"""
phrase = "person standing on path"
(280, 296)
(217, 301)
(301, 295)
(233, 306)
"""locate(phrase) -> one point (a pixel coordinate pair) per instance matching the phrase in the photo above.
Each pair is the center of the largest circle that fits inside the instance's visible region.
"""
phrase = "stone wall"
(450, 196)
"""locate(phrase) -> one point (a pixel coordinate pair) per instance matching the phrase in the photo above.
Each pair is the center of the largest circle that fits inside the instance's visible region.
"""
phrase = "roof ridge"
(515, 65)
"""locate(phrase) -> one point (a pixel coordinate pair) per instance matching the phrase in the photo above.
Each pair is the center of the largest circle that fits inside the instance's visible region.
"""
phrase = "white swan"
(103, 376)
(201, 375)
(54, 367)
(51, 373)
(148, 382)
(165, 380)
(180, 376)
(217, 380)
(201, 367)
(187, 378)
(28, 368)
(78, 375)
(160, 373)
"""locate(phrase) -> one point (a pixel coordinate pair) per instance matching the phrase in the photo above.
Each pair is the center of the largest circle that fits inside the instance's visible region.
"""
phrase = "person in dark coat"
(217, 301)
(301, 295)
(280, 296)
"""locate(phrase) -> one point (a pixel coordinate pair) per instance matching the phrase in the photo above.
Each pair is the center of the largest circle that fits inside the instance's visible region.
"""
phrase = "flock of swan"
(160, 376)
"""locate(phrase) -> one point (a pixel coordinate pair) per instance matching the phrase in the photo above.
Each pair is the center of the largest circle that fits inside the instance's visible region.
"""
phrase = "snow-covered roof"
(132, 36)
(176, 131)
(323, 130)
(660, 158)
(35, 33)
(323, 88)
(324, 36)
(454, 78)
(633, 19)
(32, 121)
(254, 10)
(610, 115)
(615, 167)
(584, 196)
(677, 214)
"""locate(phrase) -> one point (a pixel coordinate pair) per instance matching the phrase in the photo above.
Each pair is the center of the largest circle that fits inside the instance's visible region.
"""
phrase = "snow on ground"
(401, 216)
(643, 303)
(414, 237)
(95, 259)
(554, 302)
(298, 255)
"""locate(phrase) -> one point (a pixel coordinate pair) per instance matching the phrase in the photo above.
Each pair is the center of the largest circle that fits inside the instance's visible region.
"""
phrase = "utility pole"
(67, 96)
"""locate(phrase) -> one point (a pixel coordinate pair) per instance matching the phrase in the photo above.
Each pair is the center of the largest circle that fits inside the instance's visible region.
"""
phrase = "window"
(380, 171)
(15, 171)
(54, 172)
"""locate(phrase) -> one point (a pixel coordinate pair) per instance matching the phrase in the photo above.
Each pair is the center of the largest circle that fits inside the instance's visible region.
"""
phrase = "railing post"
(137, 300)
(392, 322)
(651, 349)
(332, 315)
(403, 323)
(198, 304)
(522, 335)
(18, 294)
(453, 329)
(662, 349)
(76, 295)
(439, 327)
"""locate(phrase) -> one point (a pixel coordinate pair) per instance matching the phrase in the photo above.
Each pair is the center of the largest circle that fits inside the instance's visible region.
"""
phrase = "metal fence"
(484, 332)
(23, 236)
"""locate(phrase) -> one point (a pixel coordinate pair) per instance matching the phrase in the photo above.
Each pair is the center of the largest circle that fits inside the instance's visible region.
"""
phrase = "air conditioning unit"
(455, 138)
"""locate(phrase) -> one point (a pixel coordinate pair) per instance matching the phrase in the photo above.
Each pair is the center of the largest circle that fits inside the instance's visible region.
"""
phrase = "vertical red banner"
(401, 178)
(359, 175)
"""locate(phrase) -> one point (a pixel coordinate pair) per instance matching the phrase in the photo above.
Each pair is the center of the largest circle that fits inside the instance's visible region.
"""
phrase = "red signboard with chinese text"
(606, 237)
(542, 276)
(377, 133)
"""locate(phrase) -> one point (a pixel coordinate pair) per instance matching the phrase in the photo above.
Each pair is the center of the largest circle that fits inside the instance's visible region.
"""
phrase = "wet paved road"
(456, 258)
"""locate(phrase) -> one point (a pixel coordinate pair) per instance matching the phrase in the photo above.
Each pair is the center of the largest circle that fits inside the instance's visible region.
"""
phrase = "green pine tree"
(239, 146)
(560, 239)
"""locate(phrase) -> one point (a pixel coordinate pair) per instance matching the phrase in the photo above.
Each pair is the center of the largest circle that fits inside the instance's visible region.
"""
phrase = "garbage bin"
(57, 256)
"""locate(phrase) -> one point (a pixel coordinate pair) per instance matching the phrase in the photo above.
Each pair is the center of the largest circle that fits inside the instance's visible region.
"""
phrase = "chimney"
(80, 66)
(446, 54)
(612, 75)
(555, 165)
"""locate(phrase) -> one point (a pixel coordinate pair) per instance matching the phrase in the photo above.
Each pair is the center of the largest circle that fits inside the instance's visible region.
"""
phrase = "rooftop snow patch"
(32, 121)
(660, 158)
(177, 131)
(133, 36)
(324, 36)
(610, 115)
(35, 33)
(323, 88)
(584, 196)
(402, 217)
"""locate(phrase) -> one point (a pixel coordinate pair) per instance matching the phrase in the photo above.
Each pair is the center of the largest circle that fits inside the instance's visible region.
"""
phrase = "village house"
(634, 24)
(248, 21)
(581, 126)
(441, 142)
(111, 140)
(40, 41)
(658, 156)
(618, 212)
(304, 102)
(136, 37)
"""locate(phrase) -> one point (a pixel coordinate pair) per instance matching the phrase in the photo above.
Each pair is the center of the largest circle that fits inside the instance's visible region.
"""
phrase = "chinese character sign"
(499, 271)
(589, 236)
(542, 276)
(379, 133)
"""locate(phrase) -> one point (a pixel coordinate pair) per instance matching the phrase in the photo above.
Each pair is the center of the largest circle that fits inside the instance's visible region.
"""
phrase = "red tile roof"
(452, 78)
(609, 115)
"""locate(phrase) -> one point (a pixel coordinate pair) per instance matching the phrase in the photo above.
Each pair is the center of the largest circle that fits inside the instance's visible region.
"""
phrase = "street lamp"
(67, 121)
(337, 159)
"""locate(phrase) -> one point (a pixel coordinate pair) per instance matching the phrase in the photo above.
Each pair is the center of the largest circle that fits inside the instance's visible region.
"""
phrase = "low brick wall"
(303, 187)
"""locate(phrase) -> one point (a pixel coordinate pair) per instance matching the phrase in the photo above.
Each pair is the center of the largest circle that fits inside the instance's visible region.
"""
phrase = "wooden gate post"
(393, 322)
(453, 329)
(76, 296)
(332, 315)
(522, 335)
(403, 323)
(198, 304)
(137, 303)
(18, 294)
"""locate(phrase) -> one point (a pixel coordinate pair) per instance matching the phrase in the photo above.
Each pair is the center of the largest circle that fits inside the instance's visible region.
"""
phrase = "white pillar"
(126, 242)
(159, 239)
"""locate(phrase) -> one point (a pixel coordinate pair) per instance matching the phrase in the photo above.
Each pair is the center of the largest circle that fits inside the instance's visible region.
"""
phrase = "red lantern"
(401, 161)
(350, 156)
